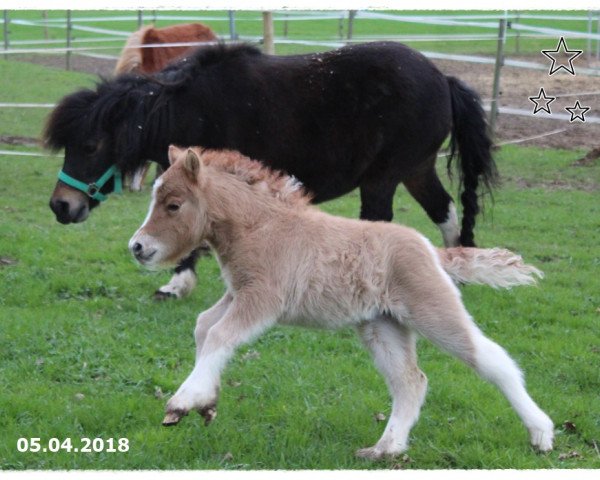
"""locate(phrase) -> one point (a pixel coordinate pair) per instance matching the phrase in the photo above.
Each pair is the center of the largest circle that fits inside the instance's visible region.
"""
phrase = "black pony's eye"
(172, 207)
(89, 148)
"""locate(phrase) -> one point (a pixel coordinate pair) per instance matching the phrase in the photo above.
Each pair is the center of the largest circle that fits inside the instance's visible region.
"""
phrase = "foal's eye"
(172, 207)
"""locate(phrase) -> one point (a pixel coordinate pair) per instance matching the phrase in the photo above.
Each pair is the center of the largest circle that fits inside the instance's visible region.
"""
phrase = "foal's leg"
(431, 195)
(207, 319)
(184, 279)
(242, 320)
(204, 323)
(393, 347)
(441, 317)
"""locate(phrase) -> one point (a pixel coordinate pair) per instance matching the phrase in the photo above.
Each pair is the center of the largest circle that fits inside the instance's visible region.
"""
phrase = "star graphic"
(580, 112)
(542, 102)
(562, 48)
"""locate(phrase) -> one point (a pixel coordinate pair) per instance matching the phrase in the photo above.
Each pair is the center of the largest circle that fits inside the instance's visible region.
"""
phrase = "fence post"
(351, 15)
(5, 28)
(268, 40)
(598, 41)
(232, 35)
(140, 19)
(497, 68)
(69, 29)
(45, 17)
(518, 37)
(589, 39)
(285, 26)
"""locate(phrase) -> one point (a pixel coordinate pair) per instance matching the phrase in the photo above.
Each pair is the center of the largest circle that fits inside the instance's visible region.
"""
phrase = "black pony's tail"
(470, 139)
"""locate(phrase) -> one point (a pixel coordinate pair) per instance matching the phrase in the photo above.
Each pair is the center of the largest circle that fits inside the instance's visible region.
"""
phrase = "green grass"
(34, 84)
(76, 317)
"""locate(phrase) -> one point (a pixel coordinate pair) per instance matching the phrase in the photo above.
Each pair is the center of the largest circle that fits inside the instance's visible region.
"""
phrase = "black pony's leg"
(376, 199)
(431, 195)
(184, 279)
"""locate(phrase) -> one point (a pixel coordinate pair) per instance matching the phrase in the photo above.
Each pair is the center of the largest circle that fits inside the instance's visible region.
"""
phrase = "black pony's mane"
(127, 100)
(184, 70)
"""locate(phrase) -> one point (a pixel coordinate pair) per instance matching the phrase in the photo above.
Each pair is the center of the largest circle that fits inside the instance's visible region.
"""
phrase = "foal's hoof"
(209, 414)
(541, 440)
(375, 453)
(370, 453)
(173, 418)
(161, 296)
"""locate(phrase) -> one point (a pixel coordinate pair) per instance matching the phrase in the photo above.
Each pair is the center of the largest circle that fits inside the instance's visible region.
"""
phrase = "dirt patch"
(79, 63)
(19, 141)
(7, 261)
(517, 85)
(555, 184)
(589, 160)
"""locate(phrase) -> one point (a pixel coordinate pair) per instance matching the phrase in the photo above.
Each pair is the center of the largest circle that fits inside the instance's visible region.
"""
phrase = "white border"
(259, 5)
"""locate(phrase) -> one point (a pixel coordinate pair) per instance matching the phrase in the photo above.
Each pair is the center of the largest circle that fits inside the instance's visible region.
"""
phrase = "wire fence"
(348, 22)
(343, 27)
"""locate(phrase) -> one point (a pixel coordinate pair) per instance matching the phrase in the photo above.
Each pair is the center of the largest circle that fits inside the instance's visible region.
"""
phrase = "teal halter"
(92, 190)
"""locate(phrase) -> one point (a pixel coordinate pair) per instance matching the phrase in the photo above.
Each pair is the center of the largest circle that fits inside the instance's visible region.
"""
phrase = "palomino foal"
(286, 262)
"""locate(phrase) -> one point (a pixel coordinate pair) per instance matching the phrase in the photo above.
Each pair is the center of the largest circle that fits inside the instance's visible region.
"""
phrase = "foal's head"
(176, 222)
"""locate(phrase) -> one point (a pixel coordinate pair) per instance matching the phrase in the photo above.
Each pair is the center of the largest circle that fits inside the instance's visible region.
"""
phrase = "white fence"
(345, 19)
(514, 30)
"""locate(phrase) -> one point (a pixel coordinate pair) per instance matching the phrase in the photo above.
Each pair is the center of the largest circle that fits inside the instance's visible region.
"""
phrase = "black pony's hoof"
(160, 296)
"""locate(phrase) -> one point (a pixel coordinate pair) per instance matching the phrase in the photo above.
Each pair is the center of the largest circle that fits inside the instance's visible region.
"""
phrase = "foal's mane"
(276, 183)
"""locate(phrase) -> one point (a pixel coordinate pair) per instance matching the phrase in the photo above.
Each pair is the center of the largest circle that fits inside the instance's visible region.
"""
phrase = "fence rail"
(514, 29)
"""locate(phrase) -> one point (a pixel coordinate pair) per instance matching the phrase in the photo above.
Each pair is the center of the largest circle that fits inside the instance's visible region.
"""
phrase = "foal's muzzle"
(140, 249)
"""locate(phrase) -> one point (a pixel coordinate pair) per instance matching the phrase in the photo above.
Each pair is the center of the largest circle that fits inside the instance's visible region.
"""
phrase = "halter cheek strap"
(92, 190)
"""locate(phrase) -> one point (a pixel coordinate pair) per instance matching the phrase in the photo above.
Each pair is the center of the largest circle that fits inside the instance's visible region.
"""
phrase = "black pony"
(369, 116)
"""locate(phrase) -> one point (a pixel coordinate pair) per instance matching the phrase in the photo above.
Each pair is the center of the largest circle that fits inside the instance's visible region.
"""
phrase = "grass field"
(249, 24)
(86, 352)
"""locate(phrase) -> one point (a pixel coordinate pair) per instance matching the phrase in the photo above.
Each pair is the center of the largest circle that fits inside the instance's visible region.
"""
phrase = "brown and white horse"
(284, 261)
(140, 55)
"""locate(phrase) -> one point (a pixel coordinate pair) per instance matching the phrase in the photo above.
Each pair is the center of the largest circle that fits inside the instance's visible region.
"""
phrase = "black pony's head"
(125, 121)
(99, 129)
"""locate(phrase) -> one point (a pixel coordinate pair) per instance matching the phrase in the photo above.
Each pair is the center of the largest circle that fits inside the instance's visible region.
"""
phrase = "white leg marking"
(181, 284)
(201, 387)
(394, 352)
(138, 178)
(450, 229)
(238, 325)
(494, 364)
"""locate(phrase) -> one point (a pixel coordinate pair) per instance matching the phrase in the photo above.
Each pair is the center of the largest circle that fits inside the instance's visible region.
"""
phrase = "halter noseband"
(92, 190)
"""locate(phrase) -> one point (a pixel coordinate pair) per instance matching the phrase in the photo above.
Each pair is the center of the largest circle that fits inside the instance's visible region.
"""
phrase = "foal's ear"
(175, 153)
(192, 164)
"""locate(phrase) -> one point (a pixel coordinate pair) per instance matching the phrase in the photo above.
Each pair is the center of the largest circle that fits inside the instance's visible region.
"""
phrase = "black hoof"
(161, 296)
(172, 418)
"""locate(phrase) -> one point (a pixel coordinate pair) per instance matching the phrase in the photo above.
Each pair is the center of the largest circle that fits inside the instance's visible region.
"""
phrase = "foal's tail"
(496, 267)
(470, 139)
